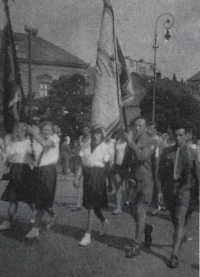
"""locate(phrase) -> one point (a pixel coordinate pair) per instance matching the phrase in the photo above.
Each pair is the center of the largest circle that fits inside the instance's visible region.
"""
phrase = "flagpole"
(117, 78)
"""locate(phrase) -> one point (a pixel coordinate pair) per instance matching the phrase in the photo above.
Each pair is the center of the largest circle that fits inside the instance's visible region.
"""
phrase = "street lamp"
(30, 32)
(168, 23)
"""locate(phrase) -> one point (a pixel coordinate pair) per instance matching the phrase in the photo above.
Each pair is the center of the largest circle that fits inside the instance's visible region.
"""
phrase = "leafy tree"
(67, 105)
(170, 108)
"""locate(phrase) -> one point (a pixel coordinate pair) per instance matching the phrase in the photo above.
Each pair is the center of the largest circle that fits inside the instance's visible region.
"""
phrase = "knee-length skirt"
(45, 179)
(94, 188)
(20, 186)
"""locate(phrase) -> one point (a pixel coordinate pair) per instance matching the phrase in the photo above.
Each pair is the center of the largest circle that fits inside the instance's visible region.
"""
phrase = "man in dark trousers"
(143, 154)
(175, 175)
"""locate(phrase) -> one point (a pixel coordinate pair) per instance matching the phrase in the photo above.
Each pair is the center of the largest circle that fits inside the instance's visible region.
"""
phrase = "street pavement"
(56, 252)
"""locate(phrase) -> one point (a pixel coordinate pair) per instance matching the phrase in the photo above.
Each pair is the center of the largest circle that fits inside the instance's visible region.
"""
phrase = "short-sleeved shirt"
(98, 157)
(19, 151)
(47, 156)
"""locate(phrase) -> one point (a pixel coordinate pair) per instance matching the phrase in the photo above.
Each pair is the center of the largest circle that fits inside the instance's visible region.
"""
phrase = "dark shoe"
(148, 238)
(174, 261)
(133, 252)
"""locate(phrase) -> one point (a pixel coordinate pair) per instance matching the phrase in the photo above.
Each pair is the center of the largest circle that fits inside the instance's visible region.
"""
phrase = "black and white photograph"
(99, 138)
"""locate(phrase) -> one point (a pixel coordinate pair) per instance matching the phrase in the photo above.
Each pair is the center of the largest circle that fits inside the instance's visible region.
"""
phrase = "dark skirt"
(45, 179)
(94, 188)
(20, 186)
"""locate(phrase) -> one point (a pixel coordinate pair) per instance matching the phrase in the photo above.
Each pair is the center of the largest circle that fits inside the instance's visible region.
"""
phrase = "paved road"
(56, 252)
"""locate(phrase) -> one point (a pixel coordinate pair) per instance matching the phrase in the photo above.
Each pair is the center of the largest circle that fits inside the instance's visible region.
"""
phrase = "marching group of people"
(151, 166)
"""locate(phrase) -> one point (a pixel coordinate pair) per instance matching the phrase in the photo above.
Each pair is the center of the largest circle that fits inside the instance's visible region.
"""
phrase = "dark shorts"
(143, 191)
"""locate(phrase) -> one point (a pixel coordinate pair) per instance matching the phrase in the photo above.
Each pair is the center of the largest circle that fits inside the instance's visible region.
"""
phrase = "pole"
(30, 72)
(154, 77)
(117, 77)
(168, 23)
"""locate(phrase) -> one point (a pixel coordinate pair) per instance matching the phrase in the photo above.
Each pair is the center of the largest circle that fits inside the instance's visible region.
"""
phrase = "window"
(142, 70)
(43, 89)
(44, 82)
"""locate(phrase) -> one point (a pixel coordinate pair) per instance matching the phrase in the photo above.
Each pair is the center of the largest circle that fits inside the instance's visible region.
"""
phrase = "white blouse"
(85, 150)
(47, 156)
(98, 157)
(19, 151)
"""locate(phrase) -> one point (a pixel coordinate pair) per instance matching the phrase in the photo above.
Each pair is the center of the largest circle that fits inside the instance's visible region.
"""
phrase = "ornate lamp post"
(30, 32)
(168, 23)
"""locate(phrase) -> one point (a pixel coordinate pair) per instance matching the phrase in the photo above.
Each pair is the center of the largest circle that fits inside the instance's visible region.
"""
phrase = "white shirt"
(98, 157)
(19, 151)
(49, 155)
(120, 151)
(85, 150)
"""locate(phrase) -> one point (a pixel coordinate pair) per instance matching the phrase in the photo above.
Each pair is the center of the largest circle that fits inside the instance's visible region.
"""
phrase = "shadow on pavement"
(116, 242)
(17, 232)
(195, 266)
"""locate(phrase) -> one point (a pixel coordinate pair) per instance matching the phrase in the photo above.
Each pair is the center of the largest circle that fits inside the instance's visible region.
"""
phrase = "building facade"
(48, 62)
(140, 66)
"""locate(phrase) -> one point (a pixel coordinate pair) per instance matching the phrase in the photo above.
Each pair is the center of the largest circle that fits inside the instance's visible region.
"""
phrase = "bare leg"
(90, 220)
(179, 224)
(117, 180)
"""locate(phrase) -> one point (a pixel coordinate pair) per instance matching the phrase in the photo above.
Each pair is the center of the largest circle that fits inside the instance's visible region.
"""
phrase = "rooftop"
(44, 52)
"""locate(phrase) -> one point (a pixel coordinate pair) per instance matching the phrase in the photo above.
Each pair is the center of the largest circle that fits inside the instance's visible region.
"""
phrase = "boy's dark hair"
(141, 117)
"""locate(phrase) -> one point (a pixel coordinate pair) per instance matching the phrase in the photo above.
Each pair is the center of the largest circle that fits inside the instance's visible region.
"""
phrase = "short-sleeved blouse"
(98, 157)
(47, 156)
(19, 151)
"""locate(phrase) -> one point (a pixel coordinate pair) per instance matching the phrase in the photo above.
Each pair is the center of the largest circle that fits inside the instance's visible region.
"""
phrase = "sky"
(74, 26)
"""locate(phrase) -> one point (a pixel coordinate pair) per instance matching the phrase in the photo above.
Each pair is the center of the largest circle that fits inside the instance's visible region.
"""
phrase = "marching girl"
(94, 182)
(46, 150)
(19, 187)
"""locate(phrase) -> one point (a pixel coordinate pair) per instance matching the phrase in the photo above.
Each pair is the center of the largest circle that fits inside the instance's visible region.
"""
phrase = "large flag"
(126, 87)
(112, 82)
(10, 78)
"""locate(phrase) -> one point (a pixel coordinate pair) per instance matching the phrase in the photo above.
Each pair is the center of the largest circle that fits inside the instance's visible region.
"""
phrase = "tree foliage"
(67, 105)
(170, 109)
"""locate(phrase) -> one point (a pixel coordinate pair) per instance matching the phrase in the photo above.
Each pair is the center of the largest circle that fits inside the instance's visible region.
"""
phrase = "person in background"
(175, 176)
(65, 155)
(94, 183)
(143, 152)
(195, 182)
(157, 140)
(19, 188)
(110, 141)
(45, 175)
(119, 169)
(76, 168)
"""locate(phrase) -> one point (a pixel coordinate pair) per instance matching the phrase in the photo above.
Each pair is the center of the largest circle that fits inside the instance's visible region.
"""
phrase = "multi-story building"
(140, 66)
(49, 62)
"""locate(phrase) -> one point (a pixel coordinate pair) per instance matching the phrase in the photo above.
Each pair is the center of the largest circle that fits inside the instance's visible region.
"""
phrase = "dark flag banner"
(126, 87)
(10, 78)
